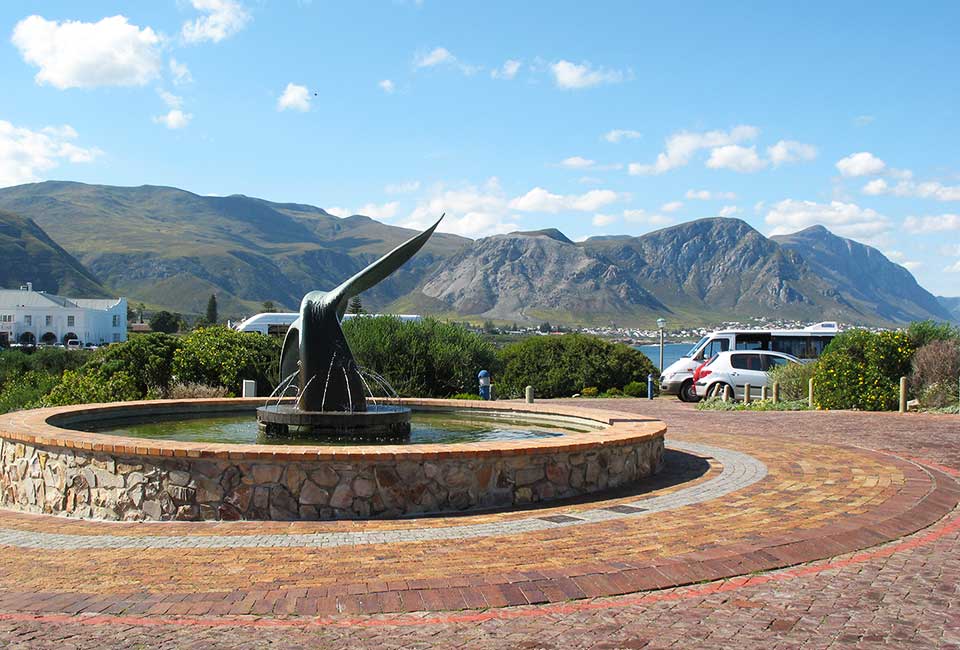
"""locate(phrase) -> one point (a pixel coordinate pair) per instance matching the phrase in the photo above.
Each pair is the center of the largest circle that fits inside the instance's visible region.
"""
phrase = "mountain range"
(171, 249)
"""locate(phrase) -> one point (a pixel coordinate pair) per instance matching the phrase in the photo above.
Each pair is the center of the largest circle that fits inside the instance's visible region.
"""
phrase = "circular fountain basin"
(379, 423)
(50, 464)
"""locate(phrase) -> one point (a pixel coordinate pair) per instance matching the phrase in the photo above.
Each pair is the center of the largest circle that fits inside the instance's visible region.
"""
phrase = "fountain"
(331, 396)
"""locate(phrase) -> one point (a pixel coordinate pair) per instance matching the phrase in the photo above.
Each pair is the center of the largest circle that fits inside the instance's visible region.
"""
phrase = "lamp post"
(661, 323)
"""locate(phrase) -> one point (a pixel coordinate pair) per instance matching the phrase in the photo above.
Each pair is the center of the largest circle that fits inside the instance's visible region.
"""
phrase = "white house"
(30, 317)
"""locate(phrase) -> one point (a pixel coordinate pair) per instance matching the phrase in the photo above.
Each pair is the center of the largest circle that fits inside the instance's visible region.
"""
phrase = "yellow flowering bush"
(862, 370)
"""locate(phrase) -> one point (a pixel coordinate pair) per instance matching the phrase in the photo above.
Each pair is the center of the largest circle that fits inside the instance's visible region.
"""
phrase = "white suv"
(738, 368)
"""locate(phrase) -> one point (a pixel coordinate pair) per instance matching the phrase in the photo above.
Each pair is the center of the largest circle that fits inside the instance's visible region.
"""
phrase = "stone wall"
(90, 484)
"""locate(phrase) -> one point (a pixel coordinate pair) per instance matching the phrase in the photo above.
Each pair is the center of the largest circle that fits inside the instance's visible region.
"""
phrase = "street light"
(661, 323)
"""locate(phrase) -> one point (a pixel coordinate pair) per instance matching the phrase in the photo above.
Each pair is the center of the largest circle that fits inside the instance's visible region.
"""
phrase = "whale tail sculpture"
(315, 346)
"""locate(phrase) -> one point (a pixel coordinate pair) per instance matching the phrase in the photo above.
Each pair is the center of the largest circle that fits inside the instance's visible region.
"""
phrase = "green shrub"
(936, 369)
(862, 370)
(559, 366)
(717, 404)
(635, 389)
(794, 379)
(79, 387)
(51, 361)
(470, 396)
(590, 391)
(219, 356)
(426, 358)
(924, 332)
(27, 391)
(147, 359)
(612, 392)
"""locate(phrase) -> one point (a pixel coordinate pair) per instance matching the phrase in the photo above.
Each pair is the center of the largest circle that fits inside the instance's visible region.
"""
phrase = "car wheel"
(688, 392)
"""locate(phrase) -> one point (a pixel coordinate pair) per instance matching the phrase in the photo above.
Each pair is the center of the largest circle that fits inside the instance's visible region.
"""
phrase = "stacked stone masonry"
(92, 484)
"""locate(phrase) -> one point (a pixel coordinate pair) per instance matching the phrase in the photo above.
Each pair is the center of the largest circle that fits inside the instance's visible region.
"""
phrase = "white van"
(804, 344)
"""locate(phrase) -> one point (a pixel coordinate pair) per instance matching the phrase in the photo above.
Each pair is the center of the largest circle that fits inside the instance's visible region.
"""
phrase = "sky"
(594, 118)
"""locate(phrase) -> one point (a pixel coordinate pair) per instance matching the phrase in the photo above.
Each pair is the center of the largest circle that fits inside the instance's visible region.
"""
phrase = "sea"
(671, 352)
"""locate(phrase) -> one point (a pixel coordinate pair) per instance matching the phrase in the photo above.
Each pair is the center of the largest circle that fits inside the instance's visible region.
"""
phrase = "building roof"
(13, 298)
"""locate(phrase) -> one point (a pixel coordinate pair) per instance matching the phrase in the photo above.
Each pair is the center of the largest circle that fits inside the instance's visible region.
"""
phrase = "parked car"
(737, 369)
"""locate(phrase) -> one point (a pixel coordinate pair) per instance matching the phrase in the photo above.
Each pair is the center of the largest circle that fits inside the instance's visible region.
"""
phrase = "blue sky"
(595, 118)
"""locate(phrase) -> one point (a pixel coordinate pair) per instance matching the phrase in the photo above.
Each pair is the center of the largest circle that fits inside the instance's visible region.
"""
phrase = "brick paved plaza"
(765, 530)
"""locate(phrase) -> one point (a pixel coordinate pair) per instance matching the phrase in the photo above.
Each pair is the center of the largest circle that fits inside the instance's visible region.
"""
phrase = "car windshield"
(696, 347)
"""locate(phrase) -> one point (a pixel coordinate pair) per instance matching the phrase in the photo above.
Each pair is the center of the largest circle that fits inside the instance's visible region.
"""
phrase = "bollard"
(249, 388)
(649, 385)
(528, 394)
(810, 394)
(727, 394)
(763, 393)
(903, 394)
(776, 392)
(747, 397)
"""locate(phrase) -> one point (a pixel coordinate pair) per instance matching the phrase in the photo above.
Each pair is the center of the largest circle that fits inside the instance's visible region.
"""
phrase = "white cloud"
(294, 97)
(402, 188)
(508, 70)
(171, 100)
(736, 158)
(577, 162)
(863, 163)
(601, 220)
(74, 54)
(540, 200)
(953, 268)
(387, 86)
(379, 210)
(911, 188)
(569, 75)
(863, 120)
(728, 211)
(175, 118)
(223, 19)
(672, 206)
(436, 56)
(25, 154)
(938, 223)
(619, 135)
(471, 211)
(708, 195)
(902, 260)
(787, 151)
(911, 265)
(180, 71)
(844, 219)
(680, 147)
(645, 218)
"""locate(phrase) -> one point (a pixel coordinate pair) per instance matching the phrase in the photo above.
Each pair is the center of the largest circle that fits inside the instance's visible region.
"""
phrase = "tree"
(212, 310)
(165, 321)
(355, 307)
(489, 327)
(545, 328)
(269, 307)
(140, 308)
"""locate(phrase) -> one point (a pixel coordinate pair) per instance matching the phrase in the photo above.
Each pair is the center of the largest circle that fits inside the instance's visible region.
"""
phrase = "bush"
(923, 332)
(635, 389)
(559, 366)
(590, 391)
(794, 379)
(50, 361)
(147, 359)
(717, 404)
(469, 396)
(612, 392)
(27, 391)
(936, 370)
(193, 391)
(79, 387)
(219, 356)
(862, 370)
(426, 358)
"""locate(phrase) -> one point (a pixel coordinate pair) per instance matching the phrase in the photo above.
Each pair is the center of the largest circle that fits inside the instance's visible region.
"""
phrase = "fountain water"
(332, 391)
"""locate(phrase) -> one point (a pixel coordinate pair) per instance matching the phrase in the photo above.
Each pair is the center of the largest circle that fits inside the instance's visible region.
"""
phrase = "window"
(753, 341)
(71, 321)
(714, 347)
(116, 320)
(775, 362)
(48, 320)
(746, 361)
(797, 346)
(116, 337)
(6, 318)
(28, 320)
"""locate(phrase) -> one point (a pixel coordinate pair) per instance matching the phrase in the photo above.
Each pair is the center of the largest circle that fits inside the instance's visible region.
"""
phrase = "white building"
(30, 317)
